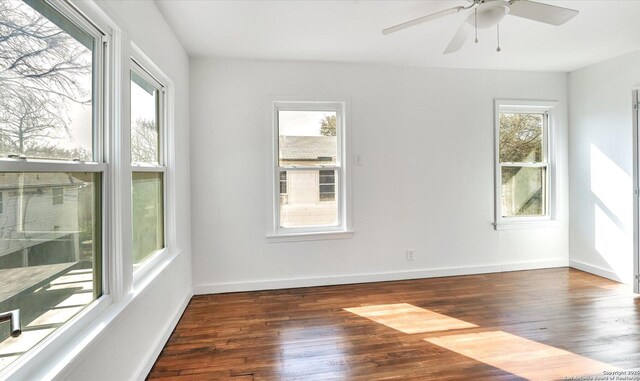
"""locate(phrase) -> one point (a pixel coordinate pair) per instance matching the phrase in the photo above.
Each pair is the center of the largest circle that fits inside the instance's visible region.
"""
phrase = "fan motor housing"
(489, 14)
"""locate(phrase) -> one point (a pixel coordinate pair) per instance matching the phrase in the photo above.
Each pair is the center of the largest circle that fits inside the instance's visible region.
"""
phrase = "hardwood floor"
(535, 325)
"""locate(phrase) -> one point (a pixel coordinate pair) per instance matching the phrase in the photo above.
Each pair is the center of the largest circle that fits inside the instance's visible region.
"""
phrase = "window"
(51, 230)
(147, 157)
(57, 195)
(309, 167)
(327, 182)
(283, 187)
(523, 164)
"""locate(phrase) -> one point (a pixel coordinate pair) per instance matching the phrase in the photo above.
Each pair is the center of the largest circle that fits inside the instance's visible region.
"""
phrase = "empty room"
(249, 190)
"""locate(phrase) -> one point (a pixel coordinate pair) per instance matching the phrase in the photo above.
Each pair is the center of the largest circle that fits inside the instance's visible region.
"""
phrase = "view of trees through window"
(50, 221)
(147, 187)
(522, 163)
(45, 86)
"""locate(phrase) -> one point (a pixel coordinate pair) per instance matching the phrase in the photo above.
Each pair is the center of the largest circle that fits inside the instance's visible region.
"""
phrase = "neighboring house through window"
(309, 167)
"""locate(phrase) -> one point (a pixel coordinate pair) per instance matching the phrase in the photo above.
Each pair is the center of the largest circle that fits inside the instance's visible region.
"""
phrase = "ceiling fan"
(489, 13)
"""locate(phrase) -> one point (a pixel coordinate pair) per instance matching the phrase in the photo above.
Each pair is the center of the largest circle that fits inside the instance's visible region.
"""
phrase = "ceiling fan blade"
(545, 13)
(422, 19)
(459, 38)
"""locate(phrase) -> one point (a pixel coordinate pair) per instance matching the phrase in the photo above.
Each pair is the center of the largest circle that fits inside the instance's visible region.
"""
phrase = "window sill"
(541, 224)
(52, 357)
(311, 236)
(149, 269)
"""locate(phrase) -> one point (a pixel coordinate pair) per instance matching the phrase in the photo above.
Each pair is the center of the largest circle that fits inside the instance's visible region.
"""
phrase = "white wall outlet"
(409, 255)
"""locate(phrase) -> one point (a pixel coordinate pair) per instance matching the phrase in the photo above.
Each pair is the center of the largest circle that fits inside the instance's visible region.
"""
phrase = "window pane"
(307, 204)
(46, 83)
(523, 191)
(50, 258)
(521, 138)
(307, 138)
(144, 121)
(327, 185)
(148, 214)
(283, 182)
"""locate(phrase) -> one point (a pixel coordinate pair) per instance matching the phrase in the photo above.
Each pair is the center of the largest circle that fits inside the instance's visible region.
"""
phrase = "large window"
(52, 167)
(147, 156)
(523, 164)
(309, 167)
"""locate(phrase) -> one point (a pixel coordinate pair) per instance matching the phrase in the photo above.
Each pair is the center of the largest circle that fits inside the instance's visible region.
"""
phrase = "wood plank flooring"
(527, 325)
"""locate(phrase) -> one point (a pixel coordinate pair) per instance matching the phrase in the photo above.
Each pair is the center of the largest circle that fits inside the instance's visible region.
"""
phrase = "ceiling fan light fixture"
(490, 13)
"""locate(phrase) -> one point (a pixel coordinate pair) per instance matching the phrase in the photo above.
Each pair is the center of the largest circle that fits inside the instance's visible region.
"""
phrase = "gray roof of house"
(307, 147)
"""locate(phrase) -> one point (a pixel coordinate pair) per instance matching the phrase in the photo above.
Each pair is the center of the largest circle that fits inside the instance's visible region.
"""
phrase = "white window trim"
(56, 354)
(145, 67)
(38, 359)
(527, 106)
(343, 191)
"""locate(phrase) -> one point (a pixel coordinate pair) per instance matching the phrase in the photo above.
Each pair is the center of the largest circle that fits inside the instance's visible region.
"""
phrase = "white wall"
(425, 137)
(127, 347)
(601, 158)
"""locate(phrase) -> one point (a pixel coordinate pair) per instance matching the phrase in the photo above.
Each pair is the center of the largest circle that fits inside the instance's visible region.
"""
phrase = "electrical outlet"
(409, 255)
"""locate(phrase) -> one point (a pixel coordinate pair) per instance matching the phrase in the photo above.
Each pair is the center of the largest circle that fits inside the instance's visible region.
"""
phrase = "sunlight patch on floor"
(520, 356)
(410, 319)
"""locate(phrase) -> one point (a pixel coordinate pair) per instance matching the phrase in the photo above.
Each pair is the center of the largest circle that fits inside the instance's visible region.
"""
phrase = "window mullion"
(525, 165)
(310, 168)
(41, 166)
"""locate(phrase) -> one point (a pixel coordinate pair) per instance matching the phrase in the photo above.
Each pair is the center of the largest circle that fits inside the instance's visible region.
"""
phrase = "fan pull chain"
(475, 19)
(498, 49)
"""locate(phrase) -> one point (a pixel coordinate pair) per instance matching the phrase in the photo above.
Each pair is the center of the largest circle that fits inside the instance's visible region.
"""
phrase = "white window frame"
(53, 356)
(95, 23)
(142, 65)
(529, 107)
(636, 188)
(342, 229)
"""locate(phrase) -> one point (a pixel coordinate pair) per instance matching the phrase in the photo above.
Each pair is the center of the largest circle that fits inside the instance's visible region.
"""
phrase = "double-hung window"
(309, 169)
(523, 165)
(147, 164)
(53, 169)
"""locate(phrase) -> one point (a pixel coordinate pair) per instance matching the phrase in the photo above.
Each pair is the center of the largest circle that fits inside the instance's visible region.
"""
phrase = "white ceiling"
(349, 31)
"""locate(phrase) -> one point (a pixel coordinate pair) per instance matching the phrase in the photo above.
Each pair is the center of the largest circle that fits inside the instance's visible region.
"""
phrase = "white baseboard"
(217, 288)
(596, 270)
(162, 339)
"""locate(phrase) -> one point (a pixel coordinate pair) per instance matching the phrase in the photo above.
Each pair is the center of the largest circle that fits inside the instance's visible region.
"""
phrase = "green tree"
(328, 125)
